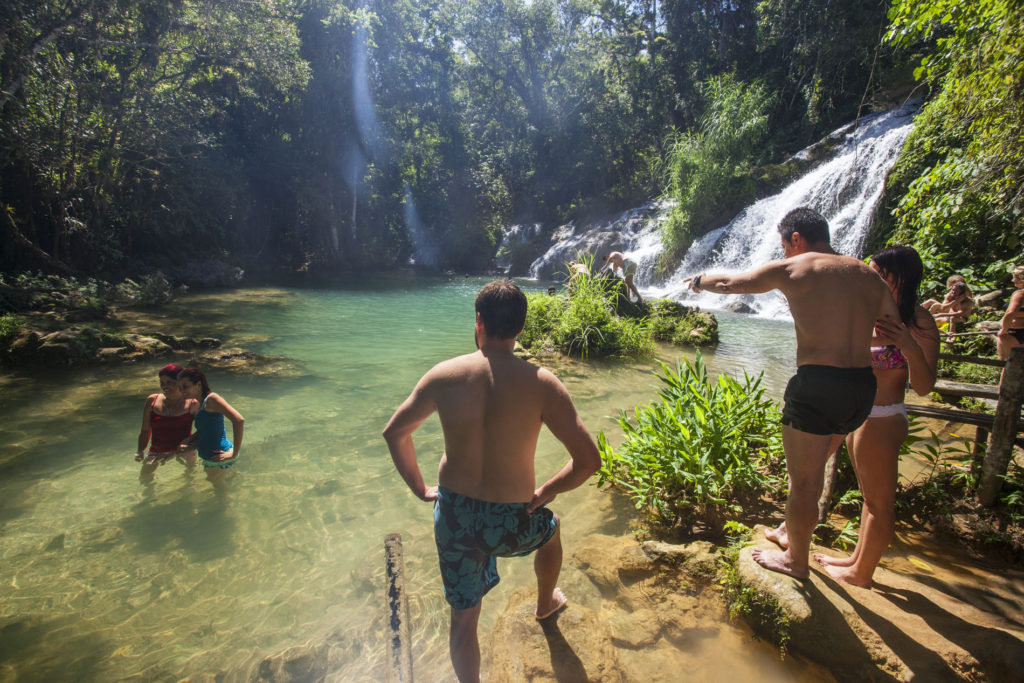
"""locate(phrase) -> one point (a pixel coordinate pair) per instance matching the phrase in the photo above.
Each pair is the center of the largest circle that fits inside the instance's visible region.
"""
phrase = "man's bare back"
(491, 408)
(834, 301)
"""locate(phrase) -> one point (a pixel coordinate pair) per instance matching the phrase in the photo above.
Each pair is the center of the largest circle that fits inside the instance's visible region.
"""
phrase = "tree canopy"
(309, 133)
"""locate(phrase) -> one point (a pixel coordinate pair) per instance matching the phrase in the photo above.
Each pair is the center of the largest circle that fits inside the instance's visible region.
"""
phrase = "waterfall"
(844, 189)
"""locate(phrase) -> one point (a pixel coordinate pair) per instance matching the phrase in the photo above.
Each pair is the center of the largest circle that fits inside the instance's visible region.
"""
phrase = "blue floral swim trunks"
(470, 534)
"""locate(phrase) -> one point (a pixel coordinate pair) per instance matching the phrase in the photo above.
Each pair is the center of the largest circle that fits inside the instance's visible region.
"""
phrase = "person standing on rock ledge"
(835, 301)
(616, 261)
(491, 406)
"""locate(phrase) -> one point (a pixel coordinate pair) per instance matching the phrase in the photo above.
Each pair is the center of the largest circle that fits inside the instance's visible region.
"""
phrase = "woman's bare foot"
(778, 536)
(830, 561)
(847, 575)
(557, 602)
(778, 561)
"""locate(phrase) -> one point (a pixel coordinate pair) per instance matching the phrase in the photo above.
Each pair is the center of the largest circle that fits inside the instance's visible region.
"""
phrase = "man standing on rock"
(491, 405)
(834, 301)
(616, 261)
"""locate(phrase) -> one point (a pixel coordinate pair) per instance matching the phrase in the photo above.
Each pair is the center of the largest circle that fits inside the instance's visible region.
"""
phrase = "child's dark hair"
(195, 375)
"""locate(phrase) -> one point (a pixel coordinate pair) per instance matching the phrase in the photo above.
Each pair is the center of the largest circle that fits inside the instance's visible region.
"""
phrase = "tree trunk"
(1004, 429)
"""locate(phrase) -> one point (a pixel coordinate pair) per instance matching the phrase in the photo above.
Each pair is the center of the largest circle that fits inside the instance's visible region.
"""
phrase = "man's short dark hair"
(808, 222)
(502, 309)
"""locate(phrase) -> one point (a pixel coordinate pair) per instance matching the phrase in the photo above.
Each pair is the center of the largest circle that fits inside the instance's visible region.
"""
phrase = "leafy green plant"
(703, 170)
(584, 322)
(698, 452)
(10, 326)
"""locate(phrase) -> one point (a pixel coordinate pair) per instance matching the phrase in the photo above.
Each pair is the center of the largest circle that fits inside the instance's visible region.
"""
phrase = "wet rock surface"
(911, 625)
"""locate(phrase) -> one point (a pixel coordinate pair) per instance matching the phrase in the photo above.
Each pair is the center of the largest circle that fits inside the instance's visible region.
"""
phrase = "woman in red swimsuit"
(167, 418)
(901, 351)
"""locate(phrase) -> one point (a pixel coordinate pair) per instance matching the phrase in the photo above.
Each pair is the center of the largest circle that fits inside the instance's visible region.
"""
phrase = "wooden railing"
(1000, 430)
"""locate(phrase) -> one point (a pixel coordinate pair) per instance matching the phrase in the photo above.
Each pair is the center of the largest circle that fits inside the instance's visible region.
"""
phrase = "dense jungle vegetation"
(300, 134)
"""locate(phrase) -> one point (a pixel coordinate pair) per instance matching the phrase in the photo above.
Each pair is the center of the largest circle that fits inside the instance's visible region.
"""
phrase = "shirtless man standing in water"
(834, 301)
(492, 405)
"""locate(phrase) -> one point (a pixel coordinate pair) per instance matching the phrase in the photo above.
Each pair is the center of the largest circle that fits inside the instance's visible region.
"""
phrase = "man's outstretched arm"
(398, 433)
(560, 416)
(758, 281)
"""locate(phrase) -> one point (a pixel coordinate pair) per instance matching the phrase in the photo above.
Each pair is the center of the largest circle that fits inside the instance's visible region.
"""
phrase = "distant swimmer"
(615, 261)
(166, 425)
(835, 301)
(491, 406)
(215, 451)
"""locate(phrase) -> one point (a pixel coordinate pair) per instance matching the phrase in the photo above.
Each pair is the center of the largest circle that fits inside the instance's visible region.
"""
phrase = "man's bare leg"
(547, 565)
(876, 445)
(633, 289)
(778, 535)
(463, 645)
(805, 460)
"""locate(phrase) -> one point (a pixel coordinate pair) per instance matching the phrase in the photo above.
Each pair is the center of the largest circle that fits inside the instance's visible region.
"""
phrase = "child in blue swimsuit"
(215, 451)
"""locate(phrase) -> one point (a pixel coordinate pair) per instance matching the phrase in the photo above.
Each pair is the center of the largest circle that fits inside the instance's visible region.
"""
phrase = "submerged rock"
(574, 645)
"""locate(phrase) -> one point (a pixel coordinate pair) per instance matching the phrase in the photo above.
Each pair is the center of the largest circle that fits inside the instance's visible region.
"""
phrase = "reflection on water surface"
(103, 579)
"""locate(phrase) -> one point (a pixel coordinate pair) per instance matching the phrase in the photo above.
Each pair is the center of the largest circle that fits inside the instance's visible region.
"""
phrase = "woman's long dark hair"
(196, 375)
(905, 264)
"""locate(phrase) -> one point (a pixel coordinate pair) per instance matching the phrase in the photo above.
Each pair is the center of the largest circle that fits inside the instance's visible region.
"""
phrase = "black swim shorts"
(821, 399)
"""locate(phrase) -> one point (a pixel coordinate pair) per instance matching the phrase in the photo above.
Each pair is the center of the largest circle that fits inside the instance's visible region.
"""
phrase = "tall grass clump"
(700, 452)
(705, 170)
(584, 322)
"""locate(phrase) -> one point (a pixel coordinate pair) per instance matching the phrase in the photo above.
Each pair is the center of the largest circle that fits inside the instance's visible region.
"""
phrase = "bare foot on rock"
(847, 575)
(778, 536)
(830, 561)
(557, 602)
(779, 561)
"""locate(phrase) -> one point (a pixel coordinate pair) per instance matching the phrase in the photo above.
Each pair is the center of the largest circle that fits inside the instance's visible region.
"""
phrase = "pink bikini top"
(887, 358)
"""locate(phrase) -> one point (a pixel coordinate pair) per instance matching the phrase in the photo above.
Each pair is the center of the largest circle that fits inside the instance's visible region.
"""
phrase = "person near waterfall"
(835, 301)
(902, 350)
(616, 261)
(491, 405)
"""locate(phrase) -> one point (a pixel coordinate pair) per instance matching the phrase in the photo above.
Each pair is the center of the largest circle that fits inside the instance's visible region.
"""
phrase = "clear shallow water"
(101, 578)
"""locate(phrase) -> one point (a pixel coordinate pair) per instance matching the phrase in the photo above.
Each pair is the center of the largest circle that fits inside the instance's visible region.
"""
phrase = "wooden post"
(399, 646)
(1004, 428)
(828, 486)
(978, 453)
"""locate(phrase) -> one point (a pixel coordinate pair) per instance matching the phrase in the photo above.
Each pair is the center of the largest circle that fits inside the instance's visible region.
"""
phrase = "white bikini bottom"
(889, 410)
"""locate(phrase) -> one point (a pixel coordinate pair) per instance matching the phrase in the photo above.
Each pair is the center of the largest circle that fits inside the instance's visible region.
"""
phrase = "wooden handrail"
(977, 360)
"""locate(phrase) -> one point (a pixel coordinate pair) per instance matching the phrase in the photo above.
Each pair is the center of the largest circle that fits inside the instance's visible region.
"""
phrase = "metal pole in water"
(399, 647)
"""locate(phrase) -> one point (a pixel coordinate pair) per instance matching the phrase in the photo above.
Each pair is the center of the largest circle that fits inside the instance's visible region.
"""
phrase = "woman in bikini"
(908, 349)
(216, 453)
(166, 426)
(901, 351)
(1011, 332)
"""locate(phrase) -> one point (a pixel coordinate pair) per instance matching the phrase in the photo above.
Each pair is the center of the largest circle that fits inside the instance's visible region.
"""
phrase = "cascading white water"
(845, 190)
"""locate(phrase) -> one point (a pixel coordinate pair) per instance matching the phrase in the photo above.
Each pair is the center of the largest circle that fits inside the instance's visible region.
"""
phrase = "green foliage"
(10, 326)
(698, 452)
(761, 609)
(706, 170)
(960, 177)
(672, 322)
(584, 323)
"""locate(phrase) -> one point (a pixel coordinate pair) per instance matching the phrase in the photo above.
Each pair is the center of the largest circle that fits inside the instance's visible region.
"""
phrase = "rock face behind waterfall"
(548, 252)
